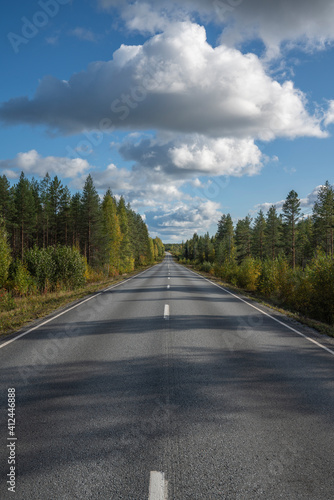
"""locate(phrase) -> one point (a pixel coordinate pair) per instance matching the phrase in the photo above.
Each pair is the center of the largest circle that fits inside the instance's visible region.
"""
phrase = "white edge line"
(158, 486)
(166, 311)
(266, 314)
(70, 309)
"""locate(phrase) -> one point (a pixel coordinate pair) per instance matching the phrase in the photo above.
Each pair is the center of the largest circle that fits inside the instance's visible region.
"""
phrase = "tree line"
(36, 215)
(286, 256)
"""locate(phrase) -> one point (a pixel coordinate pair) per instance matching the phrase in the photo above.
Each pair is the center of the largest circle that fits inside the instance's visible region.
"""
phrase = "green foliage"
(268, 277)
(54, 267)
(7, 302)
(113, 236)
(321, 276)
(127, 260)
(41, 265)
(323, 217)
(206, 266)
(70, 267)
(243, 237)
(21, 281)
(248, 274)
(5, 254)
(287, 259)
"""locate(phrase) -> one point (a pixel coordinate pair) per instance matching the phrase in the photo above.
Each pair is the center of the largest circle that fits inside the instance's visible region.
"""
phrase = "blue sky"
(188, 109)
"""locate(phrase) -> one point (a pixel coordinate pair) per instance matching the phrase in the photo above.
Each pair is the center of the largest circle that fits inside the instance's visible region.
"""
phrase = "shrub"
(21, 282)
(229, 272)
(268, 277)
(303, 292)
(70, 267)
(7, 302)
(248, 274)
(41, 265)
(55, 267)
(206, 266)
(285, 281)
(5, 255)
(321, 276)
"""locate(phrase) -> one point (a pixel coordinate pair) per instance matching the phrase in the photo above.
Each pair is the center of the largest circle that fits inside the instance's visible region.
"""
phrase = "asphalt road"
(168, 384)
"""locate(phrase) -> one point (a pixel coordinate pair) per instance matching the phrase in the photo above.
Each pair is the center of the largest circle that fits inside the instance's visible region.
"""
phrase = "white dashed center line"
(158, 486)
(166, 311)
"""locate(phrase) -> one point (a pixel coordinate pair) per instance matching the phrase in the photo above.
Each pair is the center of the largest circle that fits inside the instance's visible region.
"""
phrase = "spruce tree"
(112, 233)
(126, 258)
(273, 233)
(259, 235)
(225, 239)
(243, 237)
(92, 227)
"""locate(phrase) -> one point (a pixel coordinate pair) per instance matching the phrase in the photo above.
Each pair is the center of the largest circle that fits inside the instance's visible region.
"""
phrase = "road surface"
(167, 386)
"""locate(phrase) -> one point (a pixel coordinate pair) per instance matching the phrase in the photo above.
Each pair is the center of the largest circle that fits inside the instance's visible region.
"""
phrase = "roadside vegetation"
(287, 258)
(56, 247)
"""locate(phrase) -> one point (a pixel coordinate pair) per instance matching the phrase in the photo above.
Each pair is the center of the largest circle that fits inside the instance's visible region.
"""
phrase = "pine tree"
(304, 242)
(291, 214)
(75, 220)
(64, 215)
(5, 254)
(45, 202)
(35, 188)
(25, 213)
(55, 194)
(7, 208)
(323, 217)
(4, 198)
(259, 236)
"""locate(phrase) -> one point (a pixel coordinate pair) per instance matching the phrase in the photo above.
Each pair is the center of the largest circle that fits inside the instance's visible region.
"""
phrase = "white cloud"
(329, 115)
(182, 156)
(31, 163)
(305, 203)
(184, 219)
(305, 23)
(174, 82)
(83, 34)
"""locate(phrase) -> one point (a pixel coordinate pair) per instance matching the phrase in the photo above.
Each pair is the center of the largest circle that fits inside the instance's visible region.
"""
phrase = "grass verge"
(32, 307)
(320, 327)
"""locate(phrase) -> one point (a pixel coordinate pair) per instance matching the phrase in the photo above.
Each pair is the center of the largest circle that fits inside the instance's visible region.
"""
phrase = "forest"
(286, 257)
(51, 239)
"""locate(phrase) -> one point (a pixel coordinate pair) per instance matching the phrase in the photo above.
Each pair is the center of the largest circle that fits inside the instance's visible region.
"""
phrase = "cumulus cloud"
(32, 163)
(184, 219)
(175, 82)
(186, 156)
(307, 23)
